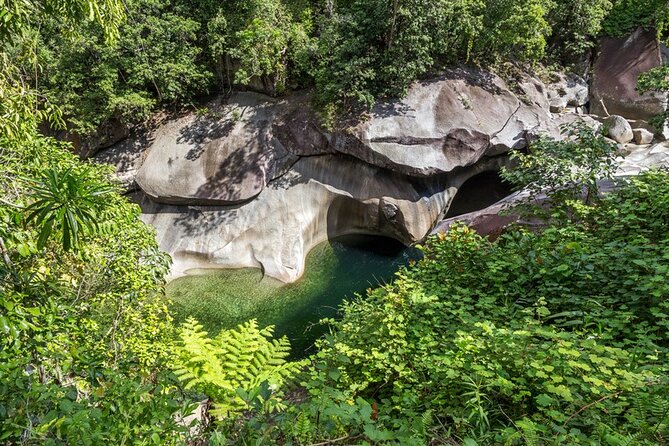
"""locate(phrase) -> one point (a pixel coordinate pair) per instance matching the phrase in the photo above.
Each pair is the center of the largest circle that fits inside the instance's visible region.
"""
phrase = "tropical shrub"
(261, 41)
(627, 15)
(156, 60)
(85, 328)
(564, 170)
(376, 49)
(550, 338)
(576, 25)
(656, 80)
(544, 337)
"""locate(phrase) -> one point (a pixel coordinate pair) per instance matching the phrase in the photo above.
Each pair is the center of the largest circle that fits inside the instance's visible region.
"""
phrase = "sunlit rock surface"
(447, 123)
(223, 155)
(318, 199)
(252, 181)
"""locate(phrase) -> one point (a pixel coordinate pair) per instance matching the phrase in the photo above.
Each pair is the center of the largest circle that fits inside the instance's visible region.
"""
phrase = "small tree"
(565, 170)
(67, 200)
(656, 80)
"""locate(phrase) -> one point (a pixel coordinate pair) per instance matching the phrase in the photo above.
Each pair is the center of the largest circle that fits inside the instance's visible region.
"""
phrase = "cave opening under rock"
(479, 192)
(375, 244)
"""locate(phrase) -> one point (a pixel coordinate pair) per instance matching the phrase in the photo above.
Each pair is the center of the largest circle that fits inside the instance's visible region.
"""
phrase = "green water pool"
(335, 271)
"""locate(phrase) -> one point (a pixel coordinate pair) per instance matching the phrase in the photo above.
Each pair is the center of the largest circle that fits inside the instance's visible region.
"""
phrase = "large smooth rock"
(445, 124)
(616, 72)
(618, 129)
(224, 156)
(319, 198)
(257, 182)
(230, 154)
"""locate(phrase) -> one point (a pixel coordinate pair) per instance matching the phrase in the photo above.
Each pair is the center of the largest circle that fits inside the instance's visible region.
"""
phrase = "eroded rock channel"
(252, 181)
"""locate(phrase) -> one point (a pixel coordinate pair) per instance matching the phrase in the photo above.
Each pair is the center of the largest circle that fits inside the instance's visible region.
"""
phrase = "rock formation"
(492, 220)
(317, 199)
(616, 72)
(253, 181)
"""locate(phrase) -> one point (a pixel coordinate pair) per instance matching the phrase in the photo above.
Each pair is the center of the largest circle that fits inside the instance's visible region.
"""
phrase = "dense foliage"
(555, 337)
(84, 325)
(627, 15)
(240, 369)
(85, 331)
(657, 81)
(172, 51)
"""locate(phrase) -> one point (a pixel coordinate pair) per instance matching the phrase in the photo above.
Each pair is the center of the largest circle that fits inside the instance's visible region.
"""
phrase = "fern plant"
(240, 369)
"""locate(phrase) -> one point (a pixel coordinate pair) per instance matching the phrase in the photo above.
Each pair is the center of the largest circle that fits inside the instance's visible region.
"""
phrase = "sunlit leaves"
(67, 201)
(240, 369)
(16, 16)
(567, 170)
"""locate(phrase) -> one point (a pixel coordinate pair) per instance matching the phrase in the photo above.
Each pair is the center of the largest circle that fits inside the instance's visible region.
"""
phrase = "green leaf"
(4, 324)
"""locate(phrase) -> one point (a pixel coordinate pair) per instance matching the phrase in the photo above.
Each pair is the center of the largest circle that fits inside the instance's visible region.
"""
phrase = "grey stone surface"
(126, 157)
(642, 136)
(618, 129)
(319, 198)
(568, 90)
(257, 182)
(616, 72)
(224, 156)
(446, 123)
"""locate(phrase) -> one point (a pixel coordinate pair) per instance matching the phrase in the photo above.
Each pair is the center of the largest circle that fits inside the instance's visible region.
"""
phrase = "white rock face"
(226, 156)
(446, 123)
(319, 198)
(643, 158)
(569, 90)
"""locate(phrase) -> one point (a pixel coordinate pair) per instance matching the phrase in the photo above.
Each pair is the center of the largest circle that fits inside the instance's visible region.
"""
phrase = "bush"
(85, 331)
(552, 337)
(157, 60)
(628, 15)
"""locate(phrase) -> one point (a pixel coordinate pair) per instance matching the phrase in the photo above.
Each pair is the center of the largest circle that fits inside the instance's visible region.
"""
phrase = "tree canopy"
(125, 61)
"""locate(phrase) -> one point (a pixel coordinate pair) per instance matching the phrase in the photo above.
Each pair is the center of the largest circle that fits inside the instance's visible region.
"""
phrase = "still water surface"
(335, 271)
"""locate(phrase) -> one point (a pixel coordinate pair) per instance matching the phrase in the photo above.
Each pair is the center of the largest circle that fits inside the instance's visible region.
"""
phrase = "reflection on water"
(335, 271)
